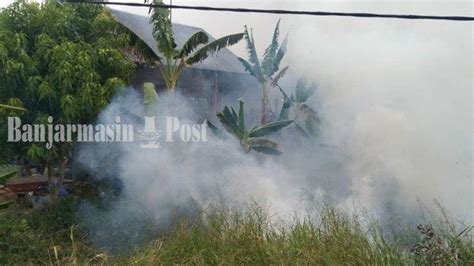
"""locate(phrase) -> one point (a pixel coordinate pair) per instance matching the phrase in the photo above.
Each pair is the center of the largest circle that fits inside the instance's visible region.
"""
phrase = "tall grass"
(336, 238)
(227, 237)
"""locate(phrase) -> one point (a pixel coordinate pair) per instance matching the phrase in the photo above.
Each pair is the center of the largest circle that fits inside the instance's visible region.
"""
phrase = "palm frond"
(253, 70)
(248, 67)
(269, 56)
(287, 103)
(144, 52)
(285, 109)
(269, 128)
(253, 57)
(166, 43)
(192, 43)
(227, 120)
(234, 114)
(262, 142)
(215, 130)
(214, 47)
(264, 146)
(279, 75)
(162, 29)
(280, 54)
(303, 91)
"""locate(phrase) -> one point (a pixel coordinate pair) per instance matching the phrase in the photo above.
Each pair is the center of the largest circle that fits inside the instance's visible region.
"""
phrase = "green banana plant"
(305, 118)
(267, 70)
(194, 50)
(250, 139)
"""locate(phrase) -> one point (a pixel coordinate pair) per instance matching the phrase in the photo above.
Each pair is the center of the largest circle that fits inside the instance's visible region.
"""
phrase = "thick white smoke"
(399, 96)
(395, 99)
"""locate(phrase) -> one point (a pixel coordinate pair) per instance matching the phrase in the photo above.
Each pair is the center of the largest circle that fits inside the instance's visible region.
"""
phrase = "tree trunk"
(267, 113)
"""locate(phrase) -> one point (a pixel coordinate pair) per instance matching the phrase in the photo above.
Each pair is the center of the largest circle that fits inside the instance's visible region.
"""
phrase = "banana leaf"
(303, 91)
(264, 146)
(229, 121)
(269, 128)
(215, 130)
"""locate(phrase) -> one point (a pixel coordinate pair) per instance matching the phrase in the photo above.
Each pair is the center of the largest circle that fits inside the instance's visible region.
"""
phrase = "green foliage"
(229, 236)
(250, 139)
(7, 172)
(194, 50)
(64, 61)
(7, 152)
(150, 98)
(251, 237)
(213, 47)
(61, 59)
(304, 117)
(43, 237)
(191, 44)
(150, 95)
(267, 71)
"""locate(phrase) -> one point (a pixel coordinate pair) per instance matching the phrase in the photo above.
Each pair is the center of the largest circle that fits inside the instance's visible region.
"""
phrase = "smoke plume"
(395, 101)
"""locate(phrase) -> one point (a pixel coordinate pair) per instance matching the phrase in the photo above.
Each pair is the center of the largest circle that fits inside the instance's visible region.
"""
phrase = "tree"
(194, 50)
(305, 118)
(63, 61)
(250, 139)
(267, 71)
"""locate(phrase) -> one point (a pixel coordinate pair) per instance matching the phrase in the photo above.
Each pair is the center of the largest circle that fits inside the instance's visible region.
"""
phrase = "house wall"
(210, 90)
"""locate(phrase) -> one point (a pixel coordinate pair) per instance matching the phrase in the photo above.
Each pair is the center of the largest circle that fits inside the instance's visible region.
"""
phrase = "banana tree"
(305, 119)
(268, 71)
(250, 139)
(194, 50)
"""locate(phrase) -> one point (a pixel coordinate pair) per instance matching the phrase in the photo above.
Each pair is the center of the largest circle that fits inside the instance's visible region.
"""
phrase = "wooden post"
(216, 95)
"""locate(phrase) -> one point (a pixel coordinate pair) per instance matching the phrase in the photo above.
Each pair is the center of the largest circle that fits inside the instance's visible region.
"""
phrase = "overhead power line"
(282, 12)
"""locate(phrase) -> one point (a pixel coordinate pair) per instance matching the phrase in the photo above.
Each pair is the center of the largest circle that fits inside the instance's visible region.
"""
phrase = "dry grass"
(228, 237)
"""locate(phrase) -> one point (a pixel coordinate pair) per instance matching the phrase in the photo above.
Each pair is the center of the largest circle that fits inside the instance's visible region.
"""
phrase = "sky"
(221, 23)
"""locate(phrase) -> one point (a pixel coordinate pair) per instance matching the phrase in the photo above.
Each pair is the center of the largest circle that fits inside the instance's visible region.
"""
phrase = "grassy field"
(228, 237)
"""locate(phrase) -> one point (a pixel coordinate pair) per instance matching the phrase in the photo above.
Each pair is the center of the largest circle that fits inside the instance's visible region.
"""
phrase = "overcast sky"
(220, 23)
